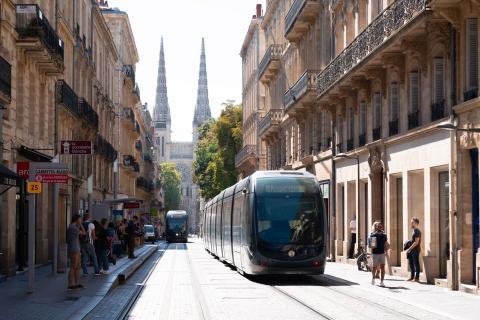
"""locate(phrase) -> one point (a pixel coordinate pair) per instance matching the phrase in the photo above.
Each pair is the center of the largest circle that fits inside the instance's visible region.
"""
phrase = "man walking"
(379, 245)
(88, 250)
(131, 234)
(413, 253)
(74, 231)
(353, 237)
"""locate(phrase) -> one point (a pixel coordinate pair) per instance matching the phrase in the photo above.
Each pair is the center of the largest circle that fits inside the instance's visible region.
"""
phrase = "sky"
(182, 24)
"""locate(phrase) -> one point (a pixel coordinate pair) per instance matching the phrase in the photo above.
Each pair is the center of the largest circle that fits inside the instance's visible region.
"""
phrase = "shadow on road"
(301, 280)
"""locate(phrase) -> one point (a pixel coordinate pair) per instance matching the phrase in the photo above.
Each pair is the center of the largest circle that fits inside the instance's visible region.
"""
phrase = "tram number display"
(290, 185)
(34, 187)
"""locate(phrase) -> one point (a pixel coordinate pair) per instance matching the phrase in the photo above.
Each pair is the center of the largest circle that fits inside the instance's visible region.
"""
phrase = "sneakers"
(99, 273)
(373, 281)
(382, 284)
(411, 279)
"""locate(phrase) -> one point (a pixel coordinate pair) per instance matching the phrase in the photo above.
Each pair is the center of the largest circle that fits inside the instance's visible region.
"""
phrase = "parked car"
(149, 233)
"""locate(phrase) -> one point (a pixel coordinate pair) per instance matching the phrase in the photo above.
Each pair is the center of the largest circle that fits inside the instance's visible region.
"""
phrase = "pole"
(115, 178)
(31, 241)
(55, 223)
(358, 202)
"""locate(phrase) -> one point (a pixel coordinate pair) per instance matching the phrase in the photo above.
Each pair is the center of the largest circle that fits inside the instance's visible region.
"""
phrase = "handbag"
(407, 244)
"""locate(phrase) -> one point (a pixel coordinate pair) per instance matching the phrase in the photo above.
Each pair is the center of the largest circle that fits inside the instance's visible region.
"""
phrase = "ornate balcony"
(299, 16)
(413, 120)
(105, 149)
(386, 25)
(470, 94)
(270, 123)
(68, 98)
(38, 38)
(130, 73)
(438, 110)
(129, 116)
(302, 91)
(247, 155)
(377, 133)
(362, 140)
(88, 113)
(145, 184)
(393, 127)
(5, 81)
(270, 63)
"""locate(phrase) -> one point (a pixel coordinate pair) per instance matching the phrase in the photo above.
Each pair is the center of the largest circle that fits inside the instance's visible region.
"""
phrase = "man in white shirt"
(353, 237)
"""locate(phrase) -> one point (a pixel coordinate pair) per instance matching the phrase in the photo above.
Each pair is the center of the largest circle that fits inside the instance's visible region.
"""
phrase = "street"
(184, 282)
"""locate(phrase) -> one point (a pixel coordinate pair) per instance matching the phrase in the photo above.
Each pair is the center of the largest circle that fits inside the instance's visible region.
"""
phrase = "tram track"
(302, 303)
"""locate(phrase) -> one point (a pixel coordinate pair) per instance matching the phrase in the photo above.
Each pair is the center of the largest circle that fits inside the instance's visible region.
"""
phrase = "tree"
(219, 141)
(171, 183)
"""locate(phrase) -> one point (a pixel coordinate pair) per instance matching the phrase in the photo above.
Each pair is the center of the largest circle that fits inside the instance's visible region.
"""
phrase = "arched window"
(414, 94)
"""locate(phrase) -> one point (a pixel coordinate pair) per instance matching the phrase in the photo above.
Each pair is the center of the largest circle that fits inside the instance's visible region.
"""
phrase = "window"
(414, 91)
(472, 53)
(350, 123)
(439, 76)
(363, 117)
(394, 101)
(377, 110)
(340, 132)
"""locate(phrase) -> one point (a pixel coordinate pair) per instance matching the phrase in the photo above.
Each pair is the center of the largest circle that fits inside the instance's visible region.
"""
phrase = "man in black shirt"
(413, 253)
(379, 245)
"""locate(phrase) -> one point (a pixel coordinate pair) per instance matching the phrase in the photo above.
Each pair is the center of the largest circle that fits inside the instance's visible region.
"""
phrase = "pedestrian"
(353, 237)
(112, 238)
(88, 250)
(131, 235)
(74, 231)
(379, 245)
(100, 245)
(413, 252)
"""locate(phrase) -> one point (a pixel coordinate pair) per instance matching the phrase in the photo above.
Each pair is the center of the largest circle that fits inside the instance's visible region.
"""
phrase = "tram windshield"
(289, 211)
(177, 224)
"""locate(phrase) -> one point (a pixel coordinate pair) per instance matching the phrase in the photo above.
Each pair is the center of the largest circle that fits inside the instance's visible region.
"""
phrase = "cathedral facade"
(180, 153)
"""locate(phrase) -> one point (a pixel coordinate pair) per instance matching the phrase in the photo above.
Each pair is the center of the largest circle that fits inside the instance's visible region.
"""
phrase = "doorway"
(444, 223)
(399, 220)
(475, 211)
(378, 188)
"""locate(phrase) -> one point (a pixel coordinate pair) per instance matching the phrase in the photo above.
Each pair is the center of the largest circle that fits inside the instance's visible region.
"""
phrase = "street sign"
(131, 205)
(34, 187)
(76, 147)
(23, 169)
(47, 172)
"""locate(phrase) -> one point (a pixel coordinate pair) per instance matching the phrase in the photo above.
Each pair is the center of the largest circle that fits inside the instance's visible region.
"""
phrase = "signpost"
(76, 147)
(34, 187)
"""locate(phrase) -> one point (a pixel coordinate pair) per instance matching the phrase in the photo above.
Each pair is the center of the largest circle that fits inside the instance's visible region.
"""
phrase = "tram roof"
(279, 173)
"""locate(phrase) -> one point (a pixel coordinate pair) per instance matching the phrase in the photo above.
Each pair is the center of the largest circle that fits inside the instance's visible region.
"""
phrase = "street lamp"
(356, 157)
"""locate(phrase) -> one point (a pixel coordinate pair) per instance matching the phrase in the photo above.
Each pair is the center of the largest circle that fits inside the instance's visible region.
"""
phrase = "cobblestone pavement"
(188, 283)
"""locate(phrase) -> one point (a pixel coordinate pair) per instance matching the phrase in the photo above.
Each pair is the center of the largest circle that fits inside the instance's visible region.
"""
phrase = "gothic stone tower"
(161, 114)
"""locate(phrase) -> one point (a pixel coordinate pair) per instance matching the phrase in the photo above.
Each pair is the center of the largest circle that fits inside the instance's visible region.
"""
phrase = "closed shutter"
(414, 91)
(394, 101)
(340, 129)
(350, 123)
(439, 75)
(363, 117)
(472, 52)
(377, 113)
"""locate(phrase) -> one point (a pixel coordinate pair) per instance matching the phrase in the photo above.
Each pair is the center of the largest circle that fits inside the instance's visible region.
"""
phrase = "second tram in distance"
(272, 222)
(176, 226)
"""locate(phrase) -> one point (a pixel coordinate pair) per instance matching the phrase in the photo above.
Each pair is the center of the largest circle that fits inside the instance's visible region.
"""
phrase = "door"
(475, 210)
(400, 220)
(444, 231)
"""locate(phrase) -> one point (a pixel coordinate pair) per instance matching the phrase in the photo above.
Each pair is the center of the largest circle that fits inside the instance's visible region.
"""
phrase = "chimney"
(259, 10)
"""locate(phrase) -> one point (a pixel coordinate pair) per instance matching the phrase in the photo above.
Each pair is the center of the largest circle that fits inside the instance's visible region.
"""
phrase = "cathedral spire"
(162, 109)
(202, 109)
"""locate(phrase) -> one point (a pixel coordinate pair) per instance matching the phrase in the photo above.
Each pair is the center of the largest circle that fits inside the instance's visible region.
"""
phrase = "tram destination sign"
(46, 172)
(75, 147)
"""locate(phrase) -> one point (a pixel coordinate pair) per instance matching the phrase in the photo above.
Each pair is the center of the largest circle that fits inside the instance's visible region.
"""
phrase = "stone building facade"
(58, 81)
(365, 93)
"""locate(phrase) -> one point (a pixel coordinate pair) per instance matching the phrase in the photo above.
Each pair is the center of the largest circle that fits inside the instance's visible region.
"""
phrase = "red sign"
(23, 169)
(75, 147)
(51, 175)
(131, 205)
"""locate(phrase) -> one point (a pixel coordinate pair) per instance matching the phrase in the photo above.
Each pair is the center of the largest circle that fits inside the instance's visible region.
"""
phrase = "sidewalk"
(51, 300)
(453, 304)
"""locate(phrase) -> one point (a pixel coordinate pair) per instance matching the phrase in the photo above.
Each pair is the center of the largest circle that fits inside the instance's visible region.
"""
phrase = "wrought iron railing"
(31, 22)
(68, 97)
(377, 133)
(105, 149)
(145, 184)
(438, 110)
(396, 16)
(88, 113)
(247, 151)
(273, 117)
(470, 94)
(274, 52)
(413, 119)
(293, 12)
(393, 127)
(5, 77)
(305, 83)
(362, 140)
(129, 72)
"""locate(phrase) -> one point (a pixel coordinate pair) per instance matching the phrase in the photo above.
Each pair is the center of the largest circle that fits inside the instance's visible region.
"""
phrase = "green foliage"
(219, 141)
(171, 184)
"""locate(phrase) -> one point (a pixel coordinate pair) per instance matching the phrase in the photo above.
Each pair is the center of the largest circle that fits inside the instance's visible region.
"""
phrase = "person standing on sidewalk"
(74, 231)
(413, 253)
(100, 245)
(379, 244)
(131, 235)
(88, 250)
(353, 237)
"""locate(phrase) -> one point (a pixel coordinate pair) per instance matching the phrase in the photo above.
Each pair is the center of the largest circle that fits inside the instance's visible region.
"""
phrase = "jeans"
(414, 263)
(351, 251)
(102, 258)
(88, 252)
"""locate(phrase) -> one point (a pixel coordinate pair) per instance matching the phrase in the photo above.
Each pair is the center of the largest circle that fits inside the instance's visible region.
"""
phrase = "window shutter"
(340, 129)
(414, 91)
(439, 75)
(350, 123)
(363, 117)
(472, 51)
(394, 101)
(377, 115)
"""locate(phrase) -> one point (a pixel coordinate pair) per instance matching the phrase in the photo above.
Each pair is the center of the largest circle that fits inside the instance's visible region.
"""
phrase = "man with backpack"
(379, 245)
(86, 242)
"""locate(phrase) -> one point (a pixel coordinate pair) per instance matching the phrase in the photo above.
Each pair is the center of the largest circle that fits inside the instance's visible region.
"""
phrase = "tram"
(176, 226)
(272, 222)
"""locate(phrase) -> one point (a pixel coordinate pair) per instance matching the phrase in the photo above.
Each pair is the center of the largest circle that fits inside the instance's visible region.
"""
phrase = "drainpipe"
(333, 193)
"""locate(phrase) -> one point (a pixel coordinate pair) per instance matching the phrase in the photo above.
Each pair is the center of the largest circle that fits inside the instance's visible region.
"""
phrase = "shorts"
(74, 260)
(378, 259)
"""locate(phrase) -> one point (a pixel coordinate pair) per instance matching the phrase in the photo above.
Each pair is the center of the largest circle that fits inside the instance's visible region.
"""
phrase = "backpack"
(372, 242)
(86, 237)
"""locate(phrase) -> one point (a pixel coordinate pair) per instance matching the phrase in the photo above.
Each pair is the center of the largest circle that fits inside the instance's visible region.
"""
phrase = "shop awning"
(8, 177)
(123, 200)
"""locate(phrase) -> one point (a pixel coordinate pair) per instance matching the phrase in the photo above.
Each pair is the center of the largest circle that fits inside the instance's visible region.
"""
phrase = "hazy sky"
(223, 23)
